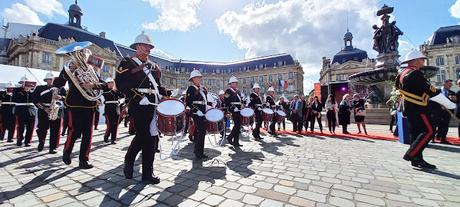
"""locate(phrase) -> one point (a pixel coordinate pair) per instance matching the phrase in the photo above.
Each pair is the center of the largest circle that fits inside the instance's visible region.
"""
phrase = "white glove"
(208, 107)
(260, 109)
(199, 113)
(121, 100)
(236, 110)
(444, 101)
(144, 102)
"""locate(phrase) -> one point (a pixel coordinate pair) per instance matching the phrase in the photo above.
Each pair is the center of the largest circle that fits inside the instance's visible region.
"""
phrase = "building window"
(182, 82)
(291, 75)
(457, 59)
(439, 60)
(441, 76)
(244, 80)
(280, 76)
(458, 73)
(46, 58)
(252, 80)
(270, 78)
(261, 79)
(105, 68)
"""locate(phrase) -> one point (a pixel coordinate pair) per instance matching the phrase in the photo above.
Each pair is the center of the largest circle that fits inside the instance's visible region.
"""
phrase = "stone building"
(443, 51)
(334, 74)
(34, 47)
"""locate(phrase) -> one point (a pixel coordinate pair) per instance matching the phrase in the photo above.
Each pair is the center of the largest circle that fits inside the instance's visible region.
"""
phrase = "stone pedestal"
(387, 60)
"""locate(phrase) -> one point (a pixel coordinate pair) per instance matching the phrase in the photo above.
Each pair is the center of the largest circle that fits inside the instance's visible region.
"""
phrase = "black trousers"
(442, 125)
(65, 121)
(392, 121)
(96, 119)
(80, 125)
(256, 131)
(8, 123)
(312, 123)
(25, 123)
(44, 123)
(143, 141)
(273, 125)
(199, 134)
(111, 120)
(234, 135)
(421, 132)
(283, 123)
(331, 120)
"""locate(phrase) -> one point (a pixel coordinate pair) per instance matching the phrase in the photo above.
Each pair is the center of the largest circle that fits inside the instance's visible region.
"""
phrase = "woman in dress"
(359, 111)
(344, 113)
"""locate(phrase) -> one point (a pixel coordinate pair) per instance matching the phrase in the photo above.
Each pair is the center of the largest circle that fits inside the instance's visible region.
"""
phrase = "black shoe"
(18, 143)
(52, 151)
(40, 147)
(113, 142)
(407, 158)
(151, 180)
(157, 151)
(85, 165)
(27, 145)
(106, 139)
(237, 145)
(66, 159)
(443, 141)
(9, 140)
(96, 128)
(424, 164)
(128, 171)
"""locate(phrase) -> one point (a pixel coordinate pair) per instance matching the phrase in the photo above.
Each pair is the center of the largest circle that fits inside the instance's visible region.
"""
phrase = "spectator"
(344, 113)
(457, 99)
(359, 112)
(315, 114)
(444, 116)
(296, 114)
(331, 111)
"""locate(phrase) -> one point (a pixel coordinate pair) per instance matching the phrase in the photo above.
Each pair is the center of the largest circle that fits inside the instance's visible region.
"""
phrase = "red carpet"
(389, 137)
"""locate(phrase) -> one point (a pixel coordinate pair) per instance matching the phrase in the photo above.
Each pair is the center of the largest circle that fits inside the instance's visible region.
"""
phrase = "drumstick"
(452, 115)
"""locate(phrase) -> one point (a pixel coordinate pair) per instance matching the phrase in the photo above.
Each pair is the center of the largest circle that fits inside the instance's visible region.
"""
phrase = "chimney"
(102, 34)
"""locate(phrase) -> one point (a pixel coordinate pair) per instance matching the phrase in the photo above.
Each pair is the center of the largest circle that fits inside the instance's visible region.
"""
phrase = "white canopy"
(14, 73)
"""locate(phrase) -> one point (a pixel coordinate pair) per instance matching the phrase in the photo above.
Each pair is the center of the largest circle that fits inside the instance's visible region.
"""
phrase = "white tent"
(14, 74)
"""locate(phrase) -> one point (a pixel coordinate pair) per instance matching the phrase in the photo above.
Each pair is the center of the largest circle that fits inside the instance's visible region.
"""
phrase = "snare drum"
(170, 113)
(247, 115)
(267, 114)
(280, 115)
(213, 117)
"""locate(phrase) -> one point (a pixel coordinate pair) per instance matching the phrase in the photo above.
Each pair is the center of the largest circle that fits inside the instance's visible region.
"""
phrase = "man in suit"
(296, 108)
(442, 116)
(316, 108)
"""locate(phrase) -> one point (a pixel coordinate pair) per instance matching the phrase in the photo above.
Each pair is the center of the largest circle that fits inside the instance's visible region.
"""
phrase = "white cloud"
(176, 15)
(455, 9)
(306, 29)
(47, 7)
(404, 48)
(21, 13)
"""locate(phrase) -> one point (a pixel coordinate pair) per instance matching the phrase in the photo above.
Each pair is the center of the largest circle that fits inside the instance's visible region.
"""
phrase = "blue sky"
(225, 30)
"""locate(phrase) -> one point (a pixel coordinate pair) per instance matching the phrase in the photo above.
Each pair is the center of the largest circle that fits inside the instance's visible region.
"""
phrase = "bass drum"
(267, 114)
(170, 113)
(280, 116)
(247, 116)
(213, 118)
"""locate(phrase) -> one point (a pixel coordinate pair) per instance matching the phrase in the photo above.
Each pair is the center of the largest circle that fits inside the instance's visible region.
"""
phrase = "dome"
(75, 8)
(348, 36)
(449, 34)
(348, 54)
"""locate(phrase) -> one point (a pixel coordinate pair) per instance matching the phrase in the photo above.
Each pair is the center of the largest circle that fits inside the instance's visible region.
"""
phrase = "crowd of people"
(136, 95)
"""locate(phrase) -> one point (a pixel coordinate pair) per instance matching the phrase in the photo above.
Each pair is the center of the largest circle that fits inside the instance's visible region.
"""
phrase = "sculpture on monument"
(386, 36)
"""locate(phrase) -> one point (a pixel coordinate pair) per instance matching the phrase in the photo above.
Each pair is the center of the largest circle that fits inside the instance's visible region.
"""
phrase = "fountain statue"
(379, 80)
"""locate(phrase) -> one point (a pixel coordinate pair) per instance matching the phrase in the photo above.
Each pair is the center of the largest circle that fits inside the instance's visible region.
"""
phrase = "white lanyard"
(202, 94)
(236, 94)
(149, 75)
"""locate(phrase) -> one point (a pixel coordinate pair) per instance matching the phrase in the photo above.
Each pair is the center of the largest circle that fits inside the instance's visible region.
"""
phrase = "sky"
(226, 30)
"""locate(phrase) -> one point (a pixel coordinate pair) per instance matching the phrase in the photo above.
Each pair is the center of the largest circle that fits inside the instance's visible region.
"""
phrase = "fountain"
(380, 80)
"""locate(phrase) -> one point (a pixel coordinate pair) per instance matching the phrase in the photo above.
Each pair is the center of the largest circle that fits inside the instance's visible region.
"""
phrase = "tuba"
(80, 68)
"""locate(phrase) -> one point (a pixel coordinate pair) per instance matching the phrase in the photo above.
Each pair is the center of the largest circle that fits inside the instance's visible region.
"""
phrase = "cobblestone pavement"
(289, 171)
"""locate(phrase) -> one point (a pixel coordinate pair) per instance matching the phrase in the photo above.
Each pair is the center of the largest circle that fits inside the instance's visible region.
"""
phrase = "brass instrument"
(81, 70)
(55, 106)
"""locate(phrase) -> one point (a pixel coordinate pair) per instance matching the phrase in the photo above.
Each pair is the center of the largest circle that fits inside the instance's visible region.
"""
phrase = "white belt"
(199, 102)
(146, 90)
(45, 91)
(24, 104)
(235, 103)
(46, 104)
(258, 104)
(8, 103)
(111, 102)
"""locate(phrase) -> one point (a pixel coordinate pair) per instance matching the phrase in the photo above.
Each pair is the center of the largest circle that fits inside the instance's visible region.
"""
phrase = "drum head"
(214, 115)
(247, 112)
(267, 111)
(171, 108)
(280, 113)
